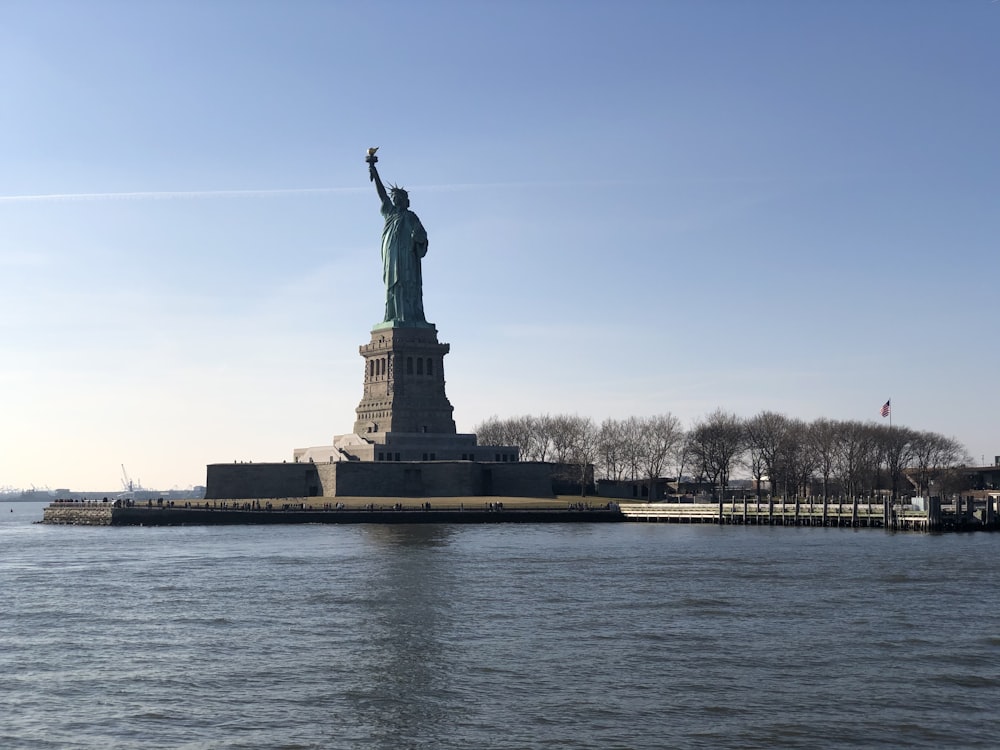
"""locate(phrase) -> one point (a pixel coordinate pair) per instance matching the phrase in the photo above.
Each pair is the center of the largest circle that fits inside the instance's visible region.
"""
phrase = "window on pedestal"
(409, 365)
(420, 365)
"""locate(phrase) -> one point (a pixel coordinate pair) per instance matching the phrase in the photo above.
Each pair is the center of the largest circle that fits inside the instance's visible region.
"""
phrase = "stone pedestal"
(404, 414)
(404, 384)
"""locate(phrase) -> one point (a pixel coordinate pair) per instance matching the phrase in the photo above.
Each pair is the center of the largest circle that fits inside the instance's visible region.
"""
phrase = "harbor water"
(504, 636)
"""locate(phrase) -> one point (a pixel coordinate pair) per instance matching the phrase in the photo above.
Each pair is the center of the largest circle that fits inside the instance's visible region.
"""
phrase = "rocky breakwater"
(79, 513)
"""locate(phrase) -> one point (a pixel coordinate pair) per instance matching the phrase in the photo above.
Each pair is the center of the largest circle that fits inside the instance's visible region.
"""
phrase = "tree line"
(824, 457)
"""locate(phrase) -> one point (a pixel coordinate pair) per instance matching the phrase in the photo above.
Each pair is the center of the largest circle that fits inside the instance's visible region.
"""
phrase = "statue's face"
(400, 199)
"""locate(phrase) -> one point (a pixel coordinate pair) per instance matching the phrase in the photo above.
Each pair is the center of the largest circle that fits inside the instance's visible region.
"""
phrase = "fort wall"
(380, 479)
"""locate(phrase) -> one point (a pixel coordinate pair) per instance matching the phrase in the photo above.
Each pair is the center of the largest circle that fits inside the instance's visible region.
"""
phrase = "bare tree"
(716, 445)
(542, 429)
(490, 431)
(934, 454)
(767, 435)
(583, 449)
(510, 431)
(661, 435)
(896, 448)
(796, 459)
(518, 433)
(682, 459)
(632, 447)
(850, 456)
(611, 450)
(822, 437)
(574, 441)
(754, 460)
(858, 457)
(532, 435)
(560, 428)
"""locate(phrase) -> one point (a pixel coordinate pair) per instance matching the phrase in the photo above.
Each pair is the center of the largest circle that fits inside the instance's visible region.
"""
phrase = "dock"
(856, 513)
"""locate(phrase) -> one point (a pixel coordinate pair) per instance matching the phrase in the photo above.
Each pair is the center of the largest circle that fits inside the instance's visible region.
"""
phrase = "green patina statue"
(404, 243)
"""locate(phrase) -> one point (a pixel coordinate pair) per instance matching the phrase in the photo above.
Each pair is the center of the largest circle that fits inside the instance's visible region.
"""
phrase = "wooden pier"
(853, 513)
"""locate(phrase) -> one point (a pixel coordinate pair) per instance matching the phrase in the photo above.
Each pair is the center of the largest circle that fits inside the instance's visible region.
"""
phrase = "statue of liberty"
(404, 243)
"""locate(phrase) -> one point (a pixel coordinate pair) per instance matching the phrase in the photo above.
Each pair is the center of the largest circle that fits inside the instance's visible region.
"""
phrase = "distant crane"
(127, 484)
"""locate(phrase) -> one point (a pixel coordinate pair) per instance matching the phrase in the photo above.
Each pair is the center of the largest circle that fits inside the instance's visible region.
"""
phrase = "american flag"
(885, 409)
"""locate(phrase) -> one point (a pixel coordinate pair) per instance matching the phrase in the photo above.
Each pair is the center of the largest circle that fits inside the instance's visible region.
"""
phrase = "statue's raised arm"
(373, 174)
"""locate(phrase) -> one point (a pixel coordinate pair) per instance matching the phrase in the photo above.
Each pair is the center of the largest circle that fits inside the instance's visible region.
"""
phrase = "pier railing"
(852, 513)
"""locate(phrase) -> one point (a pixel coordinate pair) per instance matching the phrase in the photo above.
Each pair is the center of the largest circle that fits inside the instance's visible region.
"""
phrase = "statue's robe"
(404, 243)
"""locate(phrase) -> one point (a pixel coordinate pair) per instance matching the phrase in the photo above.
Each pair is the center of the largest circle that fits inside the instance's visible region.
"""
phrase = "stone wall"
(263, 480)
(380, 479)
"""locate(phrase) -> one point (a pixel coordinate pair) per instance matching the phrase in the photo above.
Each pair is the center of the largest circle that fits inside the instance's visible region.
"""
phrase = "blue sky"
(633, 208)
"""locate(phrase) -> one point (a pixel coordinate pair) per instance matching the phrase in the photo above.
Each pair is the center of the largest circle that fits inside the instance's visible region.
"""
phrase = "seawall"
(296, 511)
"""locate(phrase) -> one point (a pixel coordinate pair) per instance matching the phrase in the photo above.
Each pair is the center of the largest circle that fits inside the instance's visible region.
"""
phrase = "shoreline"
(479, 510)
(331, 510)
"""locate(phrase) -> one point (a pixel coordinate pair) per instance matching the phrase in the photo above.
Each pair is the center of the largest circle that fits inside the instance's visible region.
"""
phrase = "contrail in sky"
(161, 194)
(181, 194)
